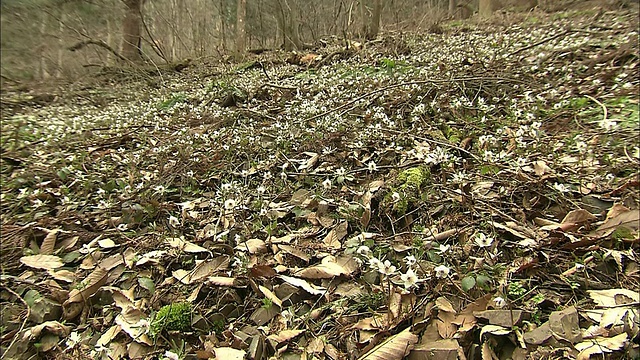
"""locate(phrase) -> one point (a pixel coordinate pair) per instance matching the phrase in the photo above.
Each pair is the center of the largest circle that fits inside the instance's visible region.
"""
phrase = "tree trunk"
(42, 71)
(485, 8)
(374, 28)
(452, 7)
(241, 35)
(288, 21)
(131, 30)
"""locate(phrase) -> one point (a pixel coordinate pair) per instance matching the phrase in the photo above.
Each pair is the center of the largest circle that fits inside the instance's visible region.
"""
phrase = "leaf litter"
(471, 197)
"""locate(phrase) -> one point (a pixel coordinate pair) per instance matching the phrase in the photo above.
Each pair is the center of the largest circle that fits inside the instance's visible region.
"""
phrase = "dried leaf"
(283, 336)
(91, 284)
(601, 345)
(49, 242)
(46, 262)
(395, 347)
(311, 289)
(185, 246)
(228, 353)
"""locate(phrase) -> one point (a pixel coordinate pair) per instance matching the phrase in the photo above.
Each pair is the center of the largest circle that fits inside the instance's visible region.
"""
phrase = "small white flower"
(499, 302)
(363, 250)
(326, 184)
(409, 279)
(410, 260)
(225, 187)
(261, 189)
(561, 187)
(374, 263)
(372, 166)
(230, 204)
(443, 249)
(395, 197)
(73, 340)
(244, 173)
(341, 172)
(168, 355)
(608, 124)
(283, 175)
(122, 227)
(386, 268)
(267, 175)
(173, 221)
(442, 271)
(579, 267)
(483, 240)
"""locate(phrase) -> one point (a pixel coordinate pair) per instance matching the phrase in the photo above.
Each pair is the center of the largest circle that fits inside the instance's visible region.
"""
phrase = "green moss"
(173, 317)
(413, 178)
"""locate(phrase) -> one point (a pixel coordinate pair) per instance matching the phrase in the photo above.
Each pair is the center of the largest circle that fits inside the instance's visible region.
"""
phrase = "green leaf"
(468, 283)
(148, 284)
(484, 282)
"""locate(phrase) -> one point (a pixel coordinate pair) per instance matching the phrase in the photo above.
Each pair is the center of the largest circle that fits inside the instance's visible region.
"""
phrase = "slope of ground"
(467, 193)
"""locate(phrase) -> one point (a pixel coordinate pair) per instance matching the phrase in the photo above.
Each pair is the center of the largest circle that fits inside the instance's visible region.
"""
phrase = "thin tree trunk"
(241, 35)
(60, 45)
(374, 28)
(485, 8)
(452, 7)
(131, 30)
(42, 71)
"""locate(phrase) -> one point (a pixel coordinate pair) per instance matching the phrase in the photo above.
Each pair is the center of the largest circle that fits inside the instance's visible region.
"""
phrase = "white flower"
(267, 175)
(372, 166)
(409, 279)
(225, 187)
(458, 177)
(230, 204)
(326, 184)
(561, 187)
(499, 302)
(261, 189)
(374, 263)
(283, 175)
(395, 197)
(442, 271)
(363, 250)
(410, 260)
(168, 355)
(483, 240)
(443, 249)
(244, 173)
(73, 340)
(341, 172)
(386, 268)
(608, 124)
(122, 227)
(173, 221)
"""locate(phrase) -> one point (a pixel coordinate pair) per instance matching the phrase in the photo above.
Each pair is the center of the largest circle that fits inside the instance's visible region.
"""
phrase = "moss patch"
(172, 317)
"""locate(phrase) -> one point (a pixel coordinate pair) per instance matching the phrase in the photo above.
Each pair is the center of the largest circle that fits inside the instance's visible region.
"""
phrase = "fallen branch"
(100, 43)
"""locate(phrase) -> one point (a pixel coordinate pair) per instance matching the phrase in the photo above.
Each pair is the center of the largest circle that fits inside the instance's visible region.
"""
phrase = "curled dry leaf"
(395, 347)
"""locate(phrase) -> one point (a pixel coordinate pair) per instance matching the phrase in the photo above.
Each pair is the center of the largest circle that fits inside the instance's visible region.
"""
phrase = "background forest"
(38, 35)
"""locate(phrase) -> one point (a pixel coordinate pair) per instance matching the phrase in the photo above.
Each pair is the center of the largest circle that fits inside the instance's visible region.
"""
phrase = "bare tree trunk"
(485, 8)
(131, 33)
(363, 16)
(241, 35)
(60, 45)
(288, 21)
(42, 71)
(374, 28)
(452, 7)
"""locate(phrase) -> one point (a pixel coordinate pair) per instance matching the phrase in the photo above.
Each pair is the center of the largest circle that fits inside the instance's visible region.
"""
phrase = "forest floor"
(471, 192)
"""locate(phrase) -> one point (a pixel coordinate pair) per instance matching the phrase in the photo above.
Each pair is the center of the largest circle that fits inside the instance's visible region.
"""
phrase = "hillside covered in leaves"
(467, 193)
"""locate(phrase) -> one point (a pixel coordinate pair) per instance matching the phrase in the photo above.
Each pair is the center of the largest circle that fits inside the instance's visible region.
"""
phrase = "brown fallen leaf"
(395, 347)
